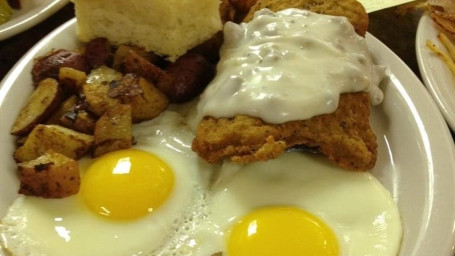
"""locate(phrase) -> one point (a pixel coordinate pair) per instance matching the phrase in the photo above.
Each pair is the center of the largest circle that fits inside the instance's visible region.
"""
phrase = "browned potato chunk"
(96, 89)
(186, 77)
(51, 175)
(41, 103)
(49, 65)
(121, 53)
(113, 131)
(79, 120)
(139, 65)
(72, 79)
(145, 99)
(53, 137)
(65, 107)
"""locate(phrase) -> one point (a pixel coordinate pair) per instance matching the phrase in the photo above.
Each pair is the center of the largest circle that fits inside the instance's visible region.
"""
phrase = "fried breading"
(353, 10)
(345, 136)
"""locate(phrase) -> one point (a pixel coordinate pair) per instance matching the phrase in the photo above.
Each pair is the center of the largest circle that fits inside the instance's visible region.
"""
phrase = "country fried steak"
(344, 136)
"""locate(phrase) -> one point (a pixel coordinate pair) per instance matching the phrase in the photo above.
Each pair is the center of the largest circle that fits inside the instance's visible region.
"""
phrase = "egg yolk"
(126, 184)
(285, 231)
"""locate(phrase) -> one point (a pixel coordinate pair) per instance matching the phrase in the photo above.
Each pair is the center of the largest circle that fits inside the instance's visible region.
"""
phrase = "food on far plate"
(5, 11)
(126, 123)
(449, 59)
(443, 12)
(286, 92)
(167, 27)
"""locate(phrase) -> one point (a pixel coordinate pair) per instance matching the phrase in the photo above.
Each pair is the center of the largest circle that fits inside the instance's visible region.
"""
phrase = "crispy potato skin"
(146, 101)
(71, 79)
(186, 77)
(41, 103)
(352, 9)
(137, 64)
(98, 52)
(49, 65)
(51, 175)
(53, 137)
(113, 131)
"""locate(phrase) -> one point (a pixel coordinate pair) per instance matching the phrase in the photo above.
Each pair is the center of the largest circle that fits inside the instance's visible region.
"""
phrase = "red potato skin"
(97, 52)
(48, 66)
(186, 77)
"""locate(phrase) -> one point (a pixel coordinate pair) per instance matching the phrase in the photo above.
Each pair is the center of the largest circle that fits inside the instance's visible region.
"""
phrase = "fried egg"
(130, 201)
(297, 204)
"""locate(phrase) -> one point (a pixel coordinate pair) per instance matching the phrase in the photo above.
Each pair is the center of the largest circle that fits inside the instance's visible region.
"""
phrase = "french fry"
(446, 58)
(447, 44)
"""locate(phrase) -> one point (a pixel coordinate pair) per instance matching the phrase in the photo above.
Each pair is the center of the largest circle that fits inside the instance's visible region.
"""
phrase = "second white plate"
(435, 73)
(31, 13)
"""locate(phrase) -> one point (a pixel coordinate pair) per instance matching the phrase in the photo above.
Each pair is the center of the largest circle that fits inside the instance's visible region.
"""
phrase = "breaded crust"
(345, 136)
(353, 10)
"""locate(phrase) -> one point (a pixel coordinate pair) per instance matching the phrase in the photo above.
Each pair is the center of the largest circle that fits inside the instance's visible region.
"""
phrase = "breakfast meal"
(163, 135)
(260, 120)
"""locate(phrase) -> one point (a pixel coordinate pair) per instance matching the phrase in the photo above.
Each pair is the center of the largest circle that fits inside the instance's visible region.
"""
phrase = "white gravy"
(289, 65)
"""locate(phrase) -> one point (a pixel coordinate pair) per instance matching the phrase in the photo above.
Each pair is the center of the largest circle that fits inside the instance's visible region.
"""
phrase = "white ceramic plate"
(416, 152)
(435, 73)
(31, 13)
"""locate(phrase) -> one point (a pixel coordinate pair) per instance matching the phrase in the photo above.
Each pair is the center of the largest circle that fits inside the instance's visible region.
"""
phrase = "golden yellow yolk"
(284, 231)
(126, 184)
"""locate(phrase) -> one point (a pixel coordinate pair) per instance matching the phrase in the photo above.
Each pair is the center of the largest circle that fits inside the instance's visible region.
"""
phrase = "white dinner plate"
(31, 13)
(416, 160)
(435, 74)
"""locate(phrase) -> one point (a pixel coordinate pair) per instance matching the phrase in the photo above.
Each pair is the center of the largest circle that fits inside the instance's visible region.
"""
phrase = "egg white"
(358, 209)
(37, 226)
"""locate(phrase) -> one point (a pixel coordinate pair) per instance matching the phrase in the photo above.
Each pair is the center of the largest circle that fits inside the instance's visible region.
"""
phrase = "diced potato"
(41, 103)
(49, 65)
(66, 106)
(96, 89)
(53, 137)
(145, 99)
(51, 175)
(79, 120)
(113, 131)
(72, 79)
(122, 51)
(137, 64)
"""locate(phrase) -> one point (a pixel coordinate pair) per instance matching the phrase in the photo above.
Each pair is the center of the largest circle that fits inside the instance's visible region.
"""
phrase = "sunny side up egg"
(296, 204)
(129, 203)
